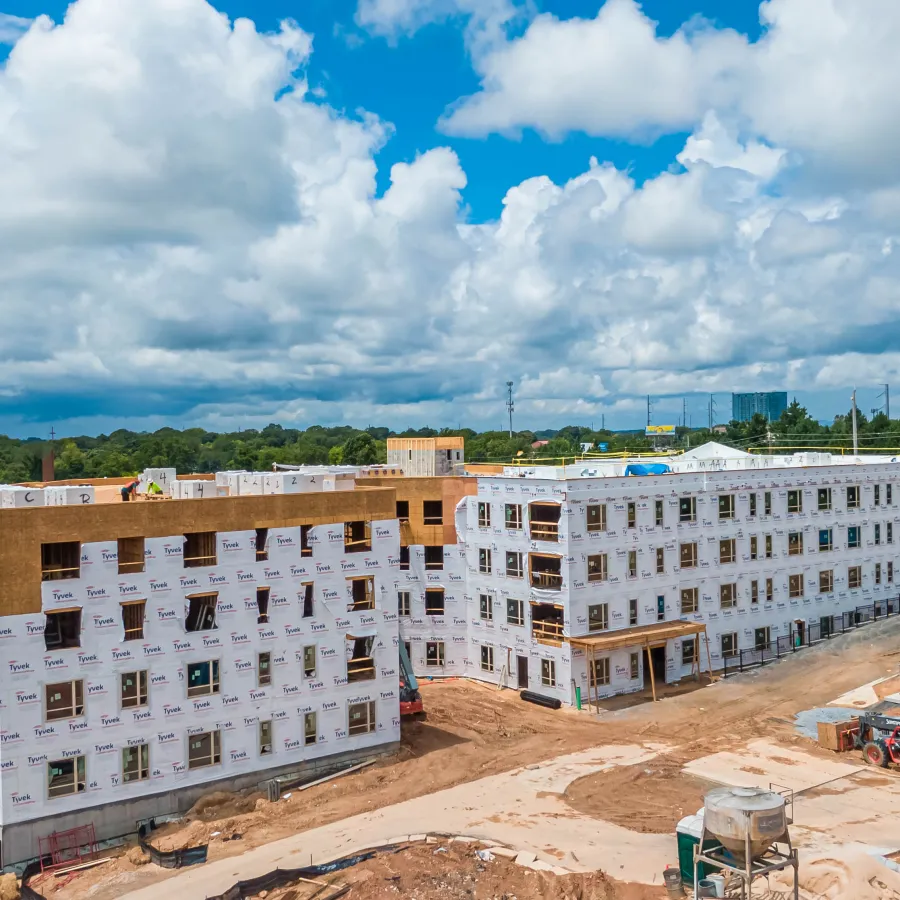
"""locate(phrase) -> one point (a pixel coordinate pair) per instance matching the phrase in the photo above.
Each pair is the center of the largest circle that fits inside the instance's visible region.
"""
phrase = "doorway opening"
(522, 672)
(658, 661)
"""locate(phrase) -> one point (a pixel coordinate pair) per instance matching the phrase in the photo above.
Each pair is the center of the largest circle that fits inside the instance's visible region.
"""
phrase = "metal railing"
(811, 634)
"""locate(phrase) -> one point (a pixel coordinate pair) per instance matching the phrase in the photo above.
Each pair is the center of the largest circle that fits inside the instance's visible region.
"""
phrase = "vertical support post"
(652, 677)
(590, 673)
(708, 657)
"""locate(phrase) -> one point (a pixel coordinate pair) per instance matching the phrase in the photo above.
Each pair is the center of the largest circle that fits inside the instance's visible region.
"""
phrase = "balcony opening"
(201, 615)
(433, 512)
(362, 593)
(131, 555)
(547, 622)
(434, 601)
(262, 544)
(63, 629)
(434, 557)
(357, 537)
(360, 665)
(199, 549)
(404, 559)
(60, 560)
(305, 545)
(546, 571)
(543, 520)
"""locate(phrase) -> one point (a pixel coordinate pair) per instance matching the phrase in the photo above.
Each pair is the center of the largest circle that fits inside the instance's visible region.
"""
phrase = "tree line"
(123, 453)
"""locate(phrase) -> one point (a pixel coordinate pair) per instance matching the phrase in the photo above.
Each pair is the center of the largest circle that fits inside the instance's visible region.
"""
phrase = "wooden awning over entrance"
(645, 636)
(654, 635)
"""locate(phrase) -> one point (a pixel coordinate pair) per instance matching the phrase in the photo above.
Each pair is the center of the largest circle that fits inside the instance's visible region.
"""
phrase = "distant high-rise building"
(771, 405)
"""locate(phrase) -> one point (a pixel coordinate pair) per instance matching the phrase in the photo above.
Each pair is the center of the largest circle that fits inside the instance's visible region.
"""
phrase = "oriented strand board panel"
(449, 489)
(24, 530)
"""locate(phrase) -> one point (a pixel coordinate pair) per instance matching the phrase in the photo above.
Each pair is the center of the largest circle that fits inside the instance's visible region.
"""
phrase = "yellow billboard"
(656, 430)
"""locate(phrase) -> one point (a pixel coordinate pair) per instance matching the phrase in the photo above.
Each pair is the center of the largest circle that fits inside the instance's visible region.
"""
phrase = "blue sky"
(190, 239)
(410, 82)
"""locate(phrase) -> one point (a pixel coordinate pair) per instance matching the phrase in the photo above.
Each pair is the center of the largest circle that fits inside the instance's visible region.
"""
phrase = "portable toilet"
(688, 833)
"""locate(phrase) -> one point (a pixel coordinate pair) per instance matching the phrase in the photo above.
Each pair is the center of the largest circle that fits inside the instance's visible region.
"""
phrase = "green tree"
(360, 450)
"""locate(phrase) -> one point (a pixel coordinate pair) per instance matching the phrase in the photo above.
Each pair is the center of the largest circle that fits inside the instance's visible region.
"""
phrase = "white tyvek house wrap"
(28, 742)
(418, 629)
(513, 645)
(661, 592)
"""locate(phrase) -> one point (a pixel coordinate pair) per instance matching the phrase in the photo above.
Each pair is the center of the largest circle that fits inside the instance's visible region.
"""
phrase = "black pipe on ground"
(540, 700)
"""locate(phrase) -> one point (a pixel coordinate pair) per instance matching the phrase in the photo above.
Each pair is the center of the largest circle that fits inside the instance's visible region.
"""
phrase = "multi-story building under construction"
(156, 650)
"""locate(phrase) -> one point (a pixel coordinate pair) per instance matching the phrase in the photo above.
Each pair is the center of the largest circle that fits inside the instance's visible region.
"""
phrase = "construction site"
(613, 681)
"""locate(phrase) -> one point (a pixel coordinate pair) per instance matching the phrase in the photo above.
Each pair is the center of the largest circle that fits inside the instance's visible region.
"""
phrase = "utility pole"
(853, 408)
(648, 410)
(603, 421)
(886, 393)
(712, 412)
(510, 406)
(684, 411)
(48, 472)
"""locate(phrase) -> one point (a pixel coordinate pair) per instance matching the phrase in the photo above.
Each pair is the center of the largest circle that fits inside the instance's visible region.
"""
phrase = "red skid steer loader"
(879, 739)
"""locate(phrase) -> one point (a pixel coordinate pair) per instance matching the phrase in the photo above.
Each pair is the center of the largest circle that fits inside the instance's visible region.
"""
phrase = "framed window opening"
(200, 549)
(62, 629)
(433, 512)
(133, 613)
(131, 555)
(203, 678)
(133, 690)
(136, 763)
(64, 700)
(204, 749)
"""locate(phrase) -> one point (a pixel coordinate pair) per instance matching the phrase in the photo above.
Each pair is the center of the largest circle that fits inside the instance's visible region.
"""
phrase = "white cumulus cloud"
(821, 81)
(186, 236)
(12, 27)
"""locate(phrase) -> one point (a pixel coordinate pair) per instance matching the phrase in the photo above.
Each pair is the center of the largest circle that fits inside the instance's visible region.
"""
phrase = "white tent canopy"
(714, 450)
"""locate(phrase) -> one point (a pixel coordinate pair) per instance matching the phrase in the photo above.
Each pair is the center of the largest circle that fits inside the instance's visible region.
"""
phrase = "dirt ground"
(471, 731)
(659, 794)
(474, 730)
(455, 872)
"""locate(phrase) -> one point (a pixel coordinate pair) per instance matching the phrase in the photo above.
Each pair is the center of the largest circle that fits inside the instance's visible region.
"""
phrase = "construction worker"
(153, 489)
(129, 489)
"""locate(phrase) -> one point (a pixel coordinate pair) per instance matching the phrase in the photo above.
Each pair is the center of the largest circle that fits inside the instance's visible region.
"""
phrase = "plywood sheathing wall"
(24, 530)
(448, 488)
